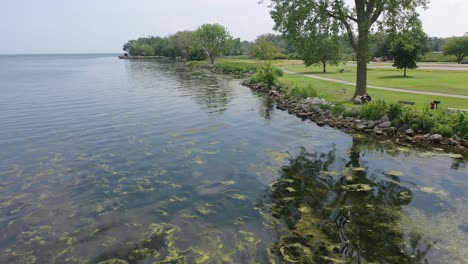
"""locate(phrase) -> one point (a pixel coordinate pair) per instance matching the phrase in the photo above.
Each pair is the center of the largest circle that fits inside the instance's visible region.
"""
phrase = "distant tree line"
(384, 45)
(321, 48)
(208, 42)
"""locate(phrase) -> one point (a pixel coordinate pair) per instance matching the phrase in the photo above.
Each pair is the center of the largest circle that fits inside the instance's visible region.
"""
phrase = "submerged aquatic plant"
(336, 217)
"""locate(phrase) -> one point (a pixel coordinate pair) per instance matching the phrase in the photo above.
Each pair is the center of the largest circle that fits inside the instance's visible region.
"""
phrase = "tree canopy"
(405, 53)
(264, 49)
(457, 46)
(214, 40)
(305, 18)
(320, 50)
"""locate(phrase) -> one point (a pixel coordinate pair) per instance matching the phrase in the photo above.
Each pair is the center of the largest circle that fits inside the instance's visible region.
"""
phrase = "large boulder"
(386, 124)
(384, 119)
(435, 138)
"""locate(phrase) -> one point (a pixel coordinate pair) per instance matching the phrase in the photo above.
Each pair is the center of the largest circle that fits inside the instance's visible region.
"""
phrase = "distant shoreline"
(139, 57)
(60, 54)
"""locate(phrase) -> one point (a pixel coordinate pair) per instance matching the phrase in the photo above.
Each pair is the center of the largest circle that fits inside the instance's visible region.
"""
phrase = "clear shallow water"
(149, 161)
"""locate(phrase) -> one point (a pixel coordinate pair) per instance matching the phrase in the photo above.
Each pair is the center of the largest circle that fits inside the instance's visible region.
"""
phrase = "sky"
(103, 26)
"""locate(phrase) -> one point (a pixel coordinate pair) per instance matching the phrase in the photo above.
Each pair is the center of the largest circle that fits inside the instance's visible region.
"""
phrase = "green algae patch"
(279, 157)
(204, 209)
(229, 182)
(394, 173)
(455, 156)
(114, 261)
(358, 169)
(210, 128)
(237, 196)
(14, 199)
(330, 173)
(175, 199)
(427, 189)
(199, 161)
(357, 187)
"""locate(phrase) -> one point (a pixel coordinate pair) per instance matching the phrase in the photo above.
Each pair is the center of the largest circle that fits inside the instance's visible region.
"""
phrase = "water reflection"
(326, 212)
(130, 160)
(267, 105)
(210, 91)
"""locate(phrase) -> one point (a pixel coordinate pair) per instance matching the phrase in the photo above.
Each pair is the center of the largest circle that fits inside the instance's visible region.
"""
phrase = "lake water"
(153, 162)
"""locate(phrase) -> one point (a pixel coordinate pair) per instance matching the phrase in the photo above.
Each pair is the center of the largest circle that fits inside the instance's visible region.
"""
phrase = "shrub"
(237, 68)
(279, 72)
(325, 107)
(303, 92)
(267, 74)
(429, 121)
(461, 126)
(394, 110)
(352, 112)
(338, 110)
(374, 110)
(280, 56)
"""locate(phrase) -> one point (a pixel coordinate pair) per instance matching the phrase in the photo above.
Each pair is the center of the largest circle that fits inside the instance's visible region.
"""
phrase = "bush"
(236, 68)
(338, 110)
(440, 122)
(325, 107)
(303, 92)
(279, 72)
(280, 56)
(352, 112)
(374, 110)
(394, 110)
(267, 74)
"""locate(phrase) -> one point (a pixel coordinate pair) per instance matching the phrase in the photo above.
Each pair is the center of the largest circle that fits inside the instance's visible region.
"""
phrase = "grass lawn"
(391, 78)
(331, 92)
(450, 82)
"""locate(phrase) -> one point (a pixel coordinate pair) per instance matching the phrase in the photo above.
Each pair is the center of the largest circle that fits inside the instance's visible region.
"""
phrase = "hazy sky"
(88, 26)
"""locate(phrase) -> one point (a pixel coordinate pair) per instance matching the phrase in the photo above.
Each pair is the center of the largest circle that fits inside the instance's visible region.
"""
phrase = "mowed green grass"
(449, 82)
(332, 92)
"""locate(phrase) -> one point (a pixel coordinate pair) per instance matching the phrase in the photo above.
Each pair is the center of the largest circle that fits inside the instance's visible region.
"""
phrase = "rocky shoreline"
(304, 108)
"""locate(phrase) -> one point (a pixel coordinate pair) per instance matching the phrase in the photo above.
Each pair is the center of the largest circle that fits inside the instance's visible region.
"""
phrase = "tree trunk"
(324, 64)
(405, 72)
(212, 59)
(361, 57)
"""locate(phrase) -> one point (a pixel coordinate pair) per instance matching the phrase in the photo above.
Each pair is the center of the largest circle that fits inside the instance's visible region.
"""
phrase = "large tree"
(214, 39)
(457, 46)
(357, 18)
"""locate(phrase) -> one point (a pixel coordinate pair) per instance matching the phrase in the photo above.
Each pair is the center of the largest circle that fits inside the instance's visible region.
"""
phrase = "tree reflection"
(326, 216)
(208, 90)
(267, 105)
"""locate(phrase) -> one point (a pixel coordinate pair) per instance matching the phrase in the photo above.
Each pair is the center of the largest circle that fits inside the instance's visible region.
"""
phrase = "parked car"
(464, 62)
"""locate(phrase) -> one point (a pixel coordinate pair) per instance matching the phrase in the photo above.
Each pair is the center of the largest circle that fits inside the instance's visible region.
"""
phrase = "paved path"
(379, 87)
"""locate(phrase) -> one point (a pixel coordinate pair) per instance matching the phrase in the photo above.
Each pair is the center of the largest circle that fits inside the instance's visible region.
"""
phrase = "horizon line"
(71, 53)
